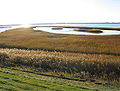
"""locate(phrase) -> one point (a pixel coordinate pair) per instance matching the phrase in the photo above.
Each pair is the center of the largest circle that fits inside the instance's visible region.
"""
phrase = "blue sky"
(41, 11)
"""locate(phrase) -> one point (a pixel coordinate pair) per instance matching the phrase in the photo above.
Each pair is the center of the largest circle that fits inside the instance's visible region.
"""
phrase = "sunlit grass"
(84, 56)
(81, 65)
(12, 82)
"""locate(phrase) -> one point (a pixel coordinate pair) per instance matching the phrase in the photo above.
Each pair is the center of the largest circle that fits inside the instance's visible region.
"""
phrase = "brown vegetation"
(78, 65)
(79, 56)
(27, 38)
(89, 30)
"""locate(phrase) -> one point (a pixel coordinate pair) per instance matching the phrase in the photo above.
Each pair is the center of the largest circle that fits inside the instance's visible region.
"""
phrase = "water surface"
(84, 25)
(71, 31)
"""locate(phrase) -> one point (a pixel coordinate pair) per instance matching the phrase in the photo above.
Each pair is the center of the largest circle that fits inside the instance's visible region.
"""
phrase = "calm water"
(70, 31)
(85, 25)
(9, 27)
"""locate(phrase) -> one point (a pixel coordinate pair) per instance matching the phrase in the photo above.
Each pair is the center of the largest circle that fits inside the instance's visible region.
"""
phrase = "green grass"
(11, 81)
(18, 80)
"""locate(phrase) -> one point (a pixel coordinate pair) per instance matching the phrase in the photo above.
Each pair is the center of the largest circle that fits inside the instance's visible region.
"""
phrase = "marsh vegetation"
(73, 57)
(84, 66)
(27, 38)
(89, 30)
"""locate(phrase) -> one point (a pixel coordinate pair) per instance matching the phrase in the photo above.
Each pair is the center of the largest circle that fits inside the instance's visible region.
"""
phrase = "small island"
(57, 28)
(89, 30)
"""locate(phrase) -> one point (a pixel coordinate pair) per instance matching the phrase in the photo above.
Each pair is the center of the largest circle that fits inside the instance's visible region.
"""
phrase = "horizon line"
(66, 23)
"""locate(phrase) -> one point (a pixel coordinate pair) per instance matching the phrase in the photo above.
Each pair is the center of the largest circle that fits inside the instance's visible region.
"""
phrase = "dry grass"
(81, 56)
(28, 38)
(106, 67)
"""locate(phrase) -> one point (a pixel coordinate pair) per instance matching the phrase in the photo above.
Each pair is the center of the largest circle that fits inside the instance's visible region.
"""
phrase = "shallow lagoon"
(71, 31)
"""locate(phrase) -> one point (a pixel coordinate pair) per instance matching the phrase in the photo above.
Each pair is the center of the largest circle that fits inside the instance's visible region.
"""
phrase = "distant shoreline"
(63, 23)
(74, 23)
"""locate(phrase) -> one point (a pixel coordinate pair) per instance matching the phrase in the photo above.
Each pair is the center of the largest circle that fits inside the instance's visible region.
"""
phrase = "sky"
(55, 11)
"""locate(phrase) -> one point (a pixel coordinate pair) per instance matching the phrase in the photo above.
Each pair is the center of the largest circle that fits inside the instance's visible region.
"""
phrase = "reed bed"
(105, 67)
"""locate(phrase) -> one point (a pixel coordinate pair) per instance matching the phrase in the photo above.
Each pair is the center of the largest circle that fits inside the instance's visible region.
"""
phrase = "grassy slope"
(28, 38)
(12, 81)
(18, 80)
